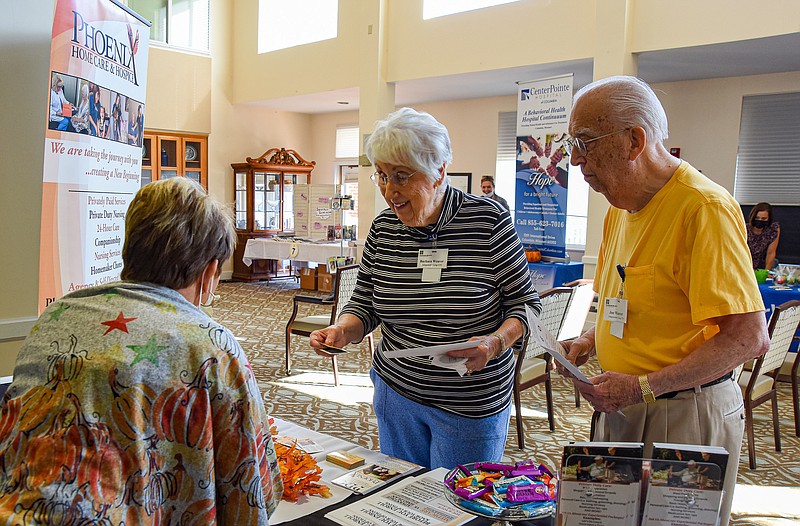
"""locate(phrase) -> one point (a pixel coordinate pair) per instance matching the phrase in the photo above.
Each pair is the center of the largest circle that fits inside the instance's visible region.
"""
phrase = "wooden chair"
(579, 306)
(788, 373)
(758, 384)
(344, 284)
(530, 369)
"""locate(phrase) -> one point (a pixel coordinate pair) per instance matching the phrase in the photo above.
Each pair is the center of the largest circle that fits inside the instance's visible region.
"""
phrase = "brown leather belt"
(719, 380)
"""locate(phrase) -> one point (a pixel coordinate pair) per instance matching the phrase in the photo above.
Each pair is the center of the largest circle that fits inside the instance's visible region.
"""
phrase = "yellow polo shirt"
(686, 262)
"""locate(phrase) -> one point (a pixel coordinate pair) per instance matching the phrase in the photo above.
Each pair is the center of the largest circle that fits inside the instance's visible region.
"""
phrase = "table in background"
(548, 275)
(282, 250)
(774, 297)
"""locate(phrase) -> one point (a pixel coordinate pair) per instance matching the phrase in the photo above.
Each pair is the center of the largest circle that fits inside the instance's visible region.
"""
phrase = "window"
(348, 181)
(286, 23)
(183, 23)
(768, 163)
(505, 181)
(347, 142)
(437, 8)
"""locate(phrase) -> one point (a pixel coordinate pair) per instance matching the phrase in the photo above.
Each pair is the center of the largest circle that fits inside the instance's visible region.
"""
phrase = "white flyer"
(543, 337)
(433, 350)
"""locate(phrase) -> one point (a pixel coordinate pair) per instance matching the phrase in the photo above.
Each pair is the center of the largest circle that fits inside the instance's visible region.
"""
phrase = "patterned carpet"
(257, 314)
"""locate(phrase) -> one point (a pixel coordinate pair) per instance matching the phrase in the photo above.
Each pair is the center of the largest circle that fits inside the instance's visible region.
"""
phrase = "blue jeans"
(433, 437)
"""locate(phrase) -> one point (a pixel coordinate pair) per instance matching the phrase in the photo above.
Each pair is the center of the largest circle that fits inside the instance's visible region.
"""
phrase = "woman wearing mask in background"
(763, 235)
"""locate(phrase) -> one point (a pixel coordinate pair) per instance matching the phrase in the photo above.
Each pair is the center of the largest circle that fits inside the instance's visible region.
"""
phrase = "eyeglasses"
(575, 143)
(398, 178)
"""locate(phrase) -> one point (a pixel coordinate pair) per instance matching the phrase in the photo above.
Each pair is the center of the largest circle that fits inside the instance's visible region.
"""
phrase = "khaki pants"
(712, 416)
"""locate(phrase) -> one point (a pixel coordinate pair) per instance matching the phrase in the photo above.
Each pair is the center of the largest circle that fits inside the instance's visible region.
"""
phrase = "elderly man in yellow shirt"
(667, 335)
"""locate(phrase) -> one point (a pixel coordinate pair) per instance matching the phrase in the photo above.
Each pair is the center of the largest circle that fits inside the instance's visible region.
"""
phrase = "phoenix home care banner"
(93, 144)
(543, 109)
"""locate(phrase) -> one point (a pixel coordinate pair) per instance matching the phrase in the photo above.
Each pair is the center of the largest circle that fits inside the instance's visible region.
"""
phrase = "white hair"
(631, 102)
(413, 139)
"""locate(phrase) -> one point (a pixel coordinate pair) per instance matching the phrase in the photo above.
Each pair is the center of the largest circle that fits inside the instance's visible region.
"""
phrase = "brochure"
(365, 479)
(685, 485)
(414, 501)
(433, 350)
(601, 480)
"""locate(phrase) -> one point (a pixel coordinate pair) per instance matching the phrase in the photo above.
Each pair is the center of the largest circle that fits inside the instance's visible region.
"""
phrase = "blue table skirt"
(772, 298)
(548, 275)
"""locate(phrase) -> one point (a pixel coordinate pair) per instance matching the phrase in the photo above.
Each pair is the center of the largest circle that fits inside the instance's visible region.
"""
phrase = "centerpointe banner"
(543, 109)
(93, 143)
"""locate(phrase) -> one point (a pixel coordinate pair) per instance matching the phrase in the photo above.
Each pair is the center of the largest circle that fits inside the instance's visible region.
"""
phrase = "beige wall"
(472, 124)
(323, 144)
(510, 35)
(704, 118)
(657, 24)
(25, 29)
(178, 91)
(312, 68)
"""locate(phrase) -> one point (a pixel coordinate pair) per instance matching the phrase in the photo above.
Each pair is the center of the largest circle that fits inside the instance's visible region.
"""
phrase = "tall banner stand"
(93, 143)
(543, 108)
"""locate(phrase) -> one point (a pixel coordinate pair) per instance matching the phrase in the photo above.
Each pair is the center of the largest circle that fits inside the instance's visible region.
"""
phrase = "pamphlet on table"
(414, 501)
(376, 474)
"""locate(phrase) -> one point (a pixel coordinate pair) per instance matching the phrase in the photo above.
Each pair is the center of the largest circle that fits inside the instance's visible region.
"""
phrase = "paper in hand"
(541, 336)
(438, 356)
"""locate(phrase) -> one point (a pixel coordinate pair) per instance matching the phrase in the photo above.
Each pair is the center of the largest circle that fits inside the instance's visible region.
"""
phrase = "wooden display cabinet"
(264, 204)
(175, 155)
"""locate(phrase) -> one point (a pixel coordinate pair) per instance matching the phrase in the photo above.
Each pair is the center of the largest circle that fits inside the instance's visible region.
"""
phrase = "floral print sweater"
(131, 406)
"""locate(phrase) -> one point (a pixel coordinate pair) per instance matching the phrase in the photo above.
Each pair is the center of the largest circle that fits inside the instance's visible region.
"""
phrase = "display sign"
(543, 109)
(93, 143)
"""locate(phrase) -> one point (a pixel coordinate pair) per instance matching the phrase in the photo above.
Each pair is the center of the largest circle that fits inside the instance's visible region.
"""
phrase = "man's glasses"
(579, 145)
(398, 178)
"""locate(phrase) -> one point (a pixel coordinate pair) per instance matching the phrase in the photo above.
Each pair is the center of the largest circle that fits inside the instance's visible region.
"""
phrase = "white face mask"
(490, 194)
(208, 306)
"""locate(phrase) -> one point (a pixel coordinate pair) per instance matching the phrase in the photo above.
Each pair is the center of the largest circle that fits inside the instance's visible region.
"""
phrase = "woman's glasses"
(398, 178)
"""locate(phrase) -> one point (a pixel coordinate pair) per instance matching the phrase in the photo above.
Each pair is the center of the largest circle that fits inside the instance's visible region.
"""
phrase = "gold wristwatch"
(647, 391)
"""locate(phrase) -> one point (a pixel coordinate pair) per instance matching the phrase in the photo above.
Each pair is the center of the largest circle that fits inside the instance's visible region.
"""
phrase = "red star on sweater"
(121, 323)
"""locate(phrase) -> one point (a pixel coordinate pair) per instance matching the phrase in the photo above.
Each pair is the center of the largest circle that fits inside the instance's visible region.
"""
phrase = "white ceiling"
(748, 57)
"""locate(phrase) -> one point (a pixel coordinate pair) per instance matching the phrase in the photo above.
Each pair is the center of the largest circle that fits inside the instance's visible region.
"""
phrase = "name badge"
(432, 261)
(615, 310)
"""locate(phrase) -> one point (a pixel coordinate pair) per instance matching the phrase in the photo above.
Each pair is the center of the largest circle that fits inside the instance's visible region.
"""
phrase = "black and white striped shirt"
(485, 282)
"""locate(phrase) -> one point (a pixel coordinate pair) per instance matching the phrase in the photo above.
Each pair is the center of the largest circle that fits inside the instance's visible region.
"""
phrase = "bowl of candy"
(504, 492)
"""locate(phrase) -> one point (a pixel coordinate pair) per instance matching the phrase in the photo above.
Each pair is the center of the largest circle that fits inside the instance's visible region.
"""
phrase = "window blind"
(768, 162)
(507, 136)
(347, 142)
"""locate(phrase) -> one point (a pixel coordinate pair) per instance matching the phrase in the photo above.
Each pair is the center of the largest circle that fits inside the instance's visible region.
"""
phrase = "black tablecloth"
(318, 518)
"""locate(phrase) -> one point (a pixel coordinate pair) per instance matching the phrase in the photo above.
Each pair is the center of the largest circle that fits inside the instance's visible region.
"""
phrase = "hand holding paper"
(543, 337)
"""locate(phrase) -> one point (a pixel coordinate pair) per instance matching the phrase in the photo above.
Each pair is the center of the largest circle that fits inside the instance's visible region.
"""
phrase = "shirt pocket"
(640, 288)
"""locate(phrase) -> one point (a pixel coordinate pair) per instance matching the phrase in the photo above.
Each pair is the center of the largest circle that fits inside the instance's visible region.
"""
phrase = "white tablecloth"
(280, 250)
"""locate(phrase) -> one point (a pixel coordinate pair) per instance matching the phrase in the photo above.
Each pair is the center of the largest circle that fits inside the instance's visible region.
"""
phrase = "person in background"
(115, 126)
(667, 337)
(439, 267)
(130, 405)
(102, 123)
(58, 121)
(763, 235)
(80, 121)
(487, 187)
(94, 108)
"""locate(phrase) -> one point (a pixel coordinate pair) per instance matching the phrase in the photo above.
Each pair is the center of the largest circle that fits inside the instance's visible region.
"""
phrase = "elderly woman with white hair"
(439, 267)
